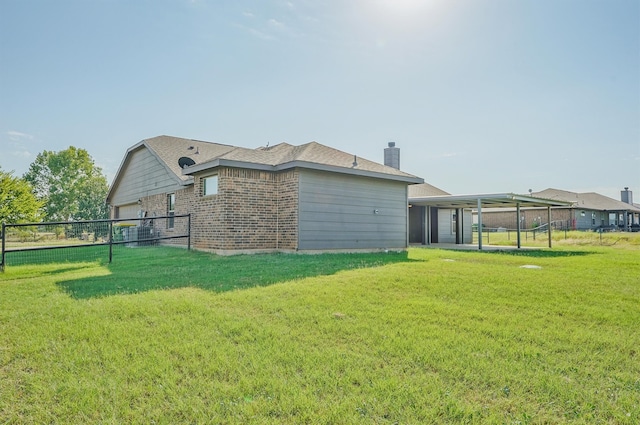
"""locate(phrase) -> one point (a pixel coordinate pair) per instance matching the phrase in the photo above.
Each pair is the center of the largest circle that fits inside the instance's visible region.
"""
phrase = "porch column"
(479, 224)
(428, 224)
(626, 221)
(549, 224)
(461, 221)
(518, 224)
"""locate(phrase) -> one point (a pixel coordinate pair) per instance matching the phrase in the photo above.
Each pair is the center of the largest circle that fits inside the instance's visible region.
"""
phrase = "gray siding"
(128, 211)
(143, 175)
(445, 226)
(586, 222)
(337, 212)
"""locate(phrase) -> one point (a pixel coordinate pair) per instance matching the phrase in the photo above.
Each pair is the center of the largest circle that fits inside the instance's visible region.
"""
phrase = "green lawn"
(166, 335)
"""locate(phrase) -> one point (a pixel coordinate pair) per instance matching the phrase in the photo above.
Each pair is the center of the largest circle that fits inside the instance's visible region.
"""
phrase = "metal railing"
(25, 238)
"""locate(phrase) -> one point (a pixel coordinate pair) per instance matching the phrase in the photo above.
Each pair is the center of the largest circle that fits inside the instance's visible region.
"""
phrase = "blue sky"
(481, 96)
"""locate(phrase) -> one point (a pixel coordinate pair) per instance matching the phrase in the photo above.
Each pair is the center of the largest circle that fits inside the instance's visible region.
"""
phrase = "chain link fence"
(51, 242)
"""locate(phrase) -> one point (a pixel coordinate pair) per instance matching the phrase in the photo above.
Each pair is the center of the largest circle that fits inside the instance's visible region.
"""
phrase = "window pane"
(210, 185)
(171, 203)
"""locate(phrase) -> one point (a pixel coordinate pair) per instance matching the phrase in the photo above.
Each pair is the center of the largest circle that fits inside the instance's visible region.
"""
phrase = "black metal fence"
(32, 243)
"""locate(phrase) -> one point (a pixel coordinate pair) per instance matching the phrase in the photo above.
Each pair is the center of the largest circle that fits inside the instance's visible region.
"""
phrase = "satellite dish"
(185, 162)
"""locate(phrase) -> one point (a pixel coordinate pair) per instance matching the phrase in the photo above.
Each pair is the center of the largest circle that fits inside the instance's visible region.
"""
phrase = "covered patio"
(460, 203)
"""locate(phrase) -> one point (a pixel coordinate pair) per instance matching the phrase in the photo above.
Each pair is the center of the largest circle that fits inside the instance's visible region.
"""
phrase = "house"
(585, 211)
(278, 198)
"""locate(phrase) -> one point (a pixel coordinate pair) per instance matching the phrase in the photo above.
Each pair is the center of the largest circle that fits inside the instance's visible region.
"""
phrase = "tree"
(17, 201)
(69, 183)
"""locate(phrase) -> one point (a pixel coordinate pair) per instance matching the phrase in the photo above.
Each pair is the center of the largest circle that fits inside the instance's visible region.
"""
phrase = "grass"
(561, 238)
(430, 337)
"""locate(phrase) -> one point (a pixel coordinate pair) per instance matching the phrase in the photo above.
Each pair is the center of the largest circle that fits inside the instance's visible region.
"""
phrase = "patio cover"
(496, 200)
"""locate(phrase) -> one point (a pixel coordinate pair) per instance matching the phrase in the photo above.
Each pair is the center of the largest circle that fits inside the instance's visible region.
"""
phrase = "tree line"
(58, 186)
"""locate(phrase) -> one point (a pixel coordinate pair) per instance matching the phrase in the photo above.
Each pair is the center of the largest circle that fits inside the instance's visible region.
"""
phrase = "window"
(171, 209)
(454, 221)
(210, 185)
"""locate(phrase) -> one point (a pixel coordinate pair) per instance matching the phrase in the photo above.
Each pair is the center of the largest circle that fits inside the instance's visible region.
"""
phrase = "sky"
(481, 96)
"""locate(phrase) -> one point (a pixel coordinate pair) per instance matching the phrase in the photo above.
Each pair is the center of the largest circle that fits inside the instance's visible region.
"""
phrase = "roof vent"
(185, 161)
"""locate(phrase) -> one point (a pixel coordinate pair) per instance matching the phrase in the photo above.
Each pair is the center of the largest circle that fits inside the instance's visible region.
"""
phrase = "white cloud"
(255, 32)
(22, 154)
(273, 23)
(17, 136)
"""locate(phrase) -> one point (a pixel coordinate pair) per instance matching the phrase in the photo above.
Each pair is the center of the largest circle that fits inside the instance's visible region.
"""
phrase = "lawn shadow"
(139, 270)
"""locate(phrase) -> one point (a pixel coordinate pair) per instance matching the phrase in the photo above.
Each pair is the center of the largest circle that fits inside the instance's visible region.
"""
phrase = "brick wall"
(156, 206)
(288, 203)
(253, 210)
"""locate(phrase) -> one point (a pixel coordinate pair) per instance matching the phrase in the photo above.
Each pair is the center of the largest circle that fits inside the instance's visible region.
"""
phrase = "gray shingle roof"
(169, 149)
(588, 200)
(425, 189)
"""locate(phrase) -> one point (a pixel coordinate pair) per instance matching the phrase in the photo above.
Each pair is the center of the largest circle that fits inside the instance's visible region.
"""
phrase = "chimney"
(392, 156)
(626, 196)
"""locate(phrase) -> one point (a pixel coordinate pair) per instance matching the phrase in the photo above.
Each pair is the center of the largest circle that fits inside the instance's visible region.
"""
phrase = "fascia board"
(495, 200)
(216, 163)
(350, 171)
(295, 164)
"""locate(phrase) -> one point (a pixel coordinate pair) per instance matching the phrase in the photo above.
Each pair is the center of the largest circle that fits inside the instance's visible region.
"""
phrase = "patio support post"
(518, 223)
(461, 221)
(428, 224)
(549, 223)
(479, 224)
(423, 217)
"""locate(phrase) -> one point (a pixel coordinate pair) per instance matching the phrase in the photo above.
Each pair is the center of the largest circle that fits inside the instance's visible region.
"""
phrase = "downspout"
(277, 211)
(407, 229)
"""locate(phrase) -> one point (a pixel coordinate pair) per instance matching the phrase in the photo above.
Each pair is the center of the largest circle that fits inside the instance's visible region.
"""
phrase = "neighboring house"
(278, 198)
(588, 211)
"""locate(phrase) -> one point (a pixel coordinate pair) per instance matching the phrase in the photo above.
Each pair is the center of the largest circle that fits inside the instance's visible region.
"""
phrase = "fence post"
(110, 241)
(2, 255)
(189, 232)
